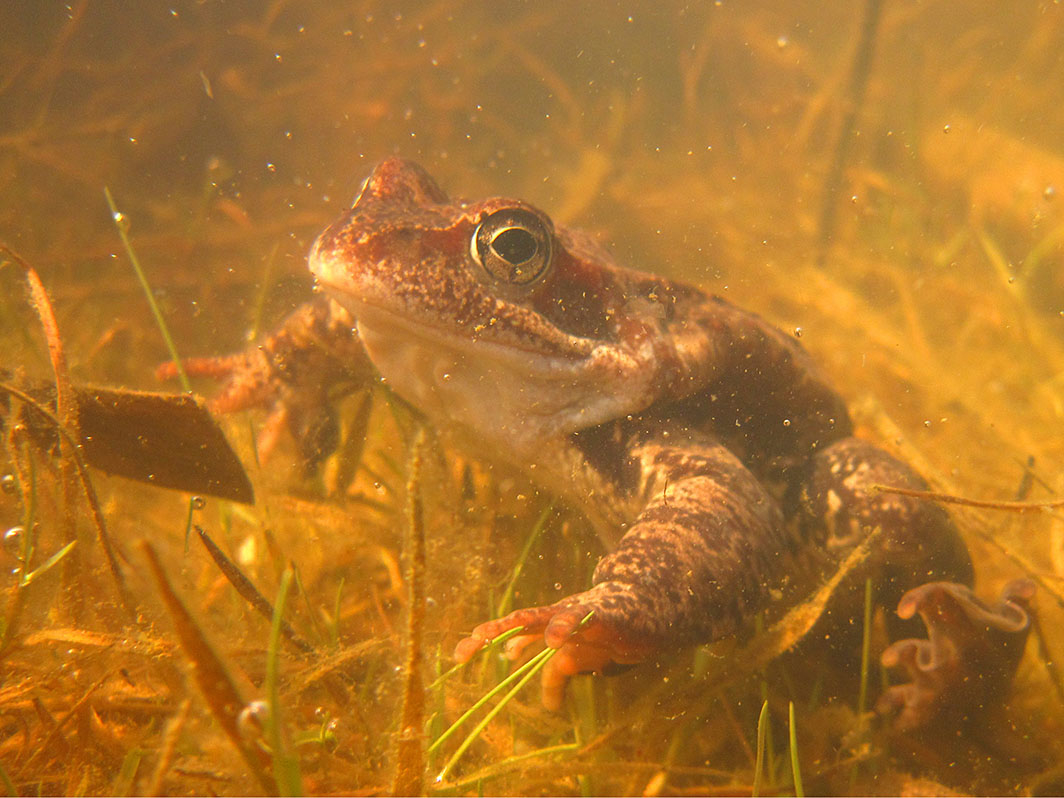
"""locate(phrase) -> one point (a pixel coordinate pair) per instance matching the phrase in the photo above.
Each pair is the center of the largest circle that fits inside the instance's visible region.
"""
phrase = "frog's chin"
(506, 397)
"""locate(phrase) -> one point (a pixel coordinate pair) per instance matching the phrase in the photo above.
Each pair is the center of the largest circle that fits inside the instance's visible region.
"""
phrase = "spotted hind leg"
(921, 566)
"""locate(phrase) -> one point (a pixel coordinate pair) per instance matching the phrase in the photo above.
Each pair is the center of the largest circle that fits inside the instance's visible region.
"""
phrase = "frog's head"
(484, 314)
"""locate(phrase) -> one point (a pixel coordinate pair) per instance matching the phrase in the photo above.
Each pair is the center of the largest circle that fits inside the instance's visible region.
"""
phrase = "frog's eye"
(513, 246)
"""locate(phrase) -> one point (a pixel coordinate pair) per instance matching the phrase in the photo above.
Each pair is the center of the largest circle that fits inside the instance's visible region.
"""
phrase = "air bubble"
(13, 540)
(8, 483)
(198, 502)
(252, 719)
(798, 332)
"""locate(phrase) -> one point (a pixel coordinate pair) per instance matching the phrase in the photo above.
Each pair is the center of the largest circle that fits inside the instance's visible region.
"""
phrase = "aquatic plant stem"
(796, 769)
(534, 666)
(859, 73)
(211, 675)
(82, 470)
(502, 685)
(506, 601)
(122, 224)
(759, 758)
(527, 671)
(410, 755)
(866, 648)
(866, 652)
(495, 642)
(285, 764)
(247, 590)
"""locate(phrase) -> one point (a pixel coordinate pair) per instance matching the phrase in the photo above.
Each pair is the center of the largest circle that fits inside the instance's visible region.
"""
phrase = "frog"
(701, 442)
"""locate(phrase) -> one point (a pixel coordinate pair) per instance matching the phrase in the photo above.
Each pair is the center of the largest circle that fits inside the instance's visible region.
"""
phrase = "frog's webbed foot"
(598, 645)
(291, 375)
(971, 652)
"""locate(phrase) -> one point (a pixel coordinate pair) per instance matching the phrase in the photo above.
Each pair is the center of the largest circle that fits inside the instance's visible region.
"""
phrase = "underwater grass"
(866, 657)
(9, 786)
(247, 590)
(514, 675)
(285, 763)
(505, 603)
(897, 274)
(71, 461)
(796, 770)
(122, 225)
(763, 724)
(211, 674)
(522, 676)
(525, 674)
(410, 754)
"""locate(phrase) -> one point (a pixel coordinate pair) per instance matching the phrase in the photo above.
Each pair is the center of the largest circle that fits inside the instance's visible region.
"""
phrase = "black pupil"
(514, 245)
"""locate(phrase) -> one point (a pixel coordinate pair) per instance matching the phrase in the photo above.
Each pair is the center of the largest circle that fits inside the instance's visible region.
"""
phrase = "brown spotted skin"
(840, 505)
(703, 432)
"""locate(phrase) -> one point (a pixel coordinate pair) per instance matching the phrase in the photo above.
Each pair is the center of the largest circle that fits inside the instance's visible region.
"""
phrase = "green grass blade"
(122, 224)
(502, 685)
(50, 563)
(504, 766)
(285, 765)
(334, 622)
(9, 786)
(506, 601)
(127, 773)
(866, 648)
(759, 758)
(866, 651)
(531, 668)
(495, 642)
(799, 791)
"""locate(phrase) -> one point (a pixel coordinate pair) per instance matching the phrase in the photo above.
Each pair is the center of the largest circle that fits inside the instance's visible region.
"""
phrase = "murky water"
(885, 177)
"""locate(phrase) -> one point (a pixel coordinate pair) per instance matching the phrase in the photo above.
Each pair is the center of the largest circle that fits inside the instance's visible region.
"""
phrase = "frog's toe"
(215, 368)
(594, 644)
(971, 652)
(246, 379)
(533, 620)
(572, 659)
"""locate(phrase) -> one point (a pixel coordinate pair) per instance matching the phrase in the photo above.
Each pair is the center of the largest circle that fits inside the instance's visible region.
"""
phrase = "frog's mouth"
(511, 395)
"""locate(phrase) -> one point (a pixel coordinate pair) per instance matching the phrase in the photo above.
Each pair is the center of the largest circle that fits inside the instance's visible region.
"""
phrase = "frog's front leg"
(972, 649)
(706, 554)
(294, 374)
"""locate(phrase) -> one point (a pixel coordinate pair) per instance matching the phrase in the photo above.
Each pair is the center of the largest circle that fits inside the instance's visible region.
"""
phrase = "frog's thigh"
(841, 505)
(704, 555)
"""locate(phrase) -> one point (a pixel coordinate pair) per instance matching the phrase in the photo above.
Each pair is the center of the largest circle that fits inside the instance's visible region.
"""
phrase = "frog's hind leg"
(840, 505)
(921, 566)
